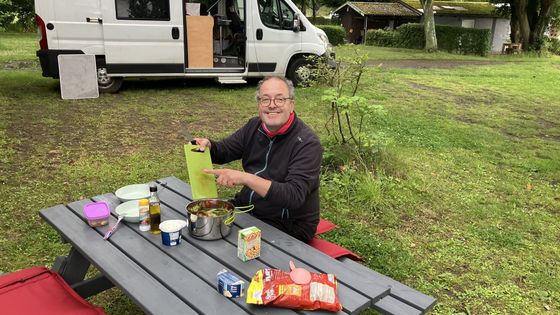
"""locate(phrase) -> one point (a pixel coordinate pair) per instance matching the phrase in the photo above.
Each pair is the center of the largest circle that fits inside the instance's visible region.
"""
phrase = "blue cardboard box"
(229, 285)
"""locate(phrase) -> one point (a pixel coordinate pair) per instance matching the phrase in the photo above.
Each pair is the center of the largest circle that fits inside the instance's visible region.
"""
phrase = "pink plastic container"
(97, 213)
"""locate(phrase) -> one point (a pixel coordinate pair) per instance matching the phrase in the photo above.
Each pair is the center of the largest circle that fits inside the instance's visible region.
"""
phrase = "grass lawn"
(465, 204)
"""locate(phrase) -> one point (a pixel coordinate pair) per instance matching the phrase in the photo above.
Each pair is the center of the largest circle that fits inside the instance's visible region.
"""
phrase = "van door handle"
(94, 20)
(175, 33)
(259, 34)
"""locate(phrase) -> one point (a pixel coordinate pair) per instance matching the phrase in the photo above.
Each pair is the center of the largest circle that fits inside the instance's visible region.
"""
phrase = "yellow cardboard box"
(249, 243)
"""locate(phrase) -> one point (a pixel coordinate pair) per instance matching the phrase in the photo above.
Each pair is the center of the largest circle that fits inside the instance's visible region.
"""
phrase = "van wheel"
(299, 72)
(106, 83)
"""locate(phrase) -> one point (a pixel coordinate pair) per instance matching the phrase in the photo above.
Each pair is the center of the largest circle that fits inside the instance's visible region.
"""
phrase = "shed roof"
(458, 8)
(380, 8)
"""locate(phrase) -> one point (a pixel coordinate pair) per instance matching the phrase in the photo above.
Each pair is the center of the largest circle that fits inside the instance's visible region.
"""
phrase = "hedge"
(450, 38)
(335, 33)
(321, 20)
(381, 38)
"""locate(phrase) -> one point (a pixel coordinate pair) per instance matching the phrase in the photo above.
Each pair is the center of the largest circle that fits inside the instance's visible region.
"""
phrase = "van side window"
(142, 9)
(276, 14)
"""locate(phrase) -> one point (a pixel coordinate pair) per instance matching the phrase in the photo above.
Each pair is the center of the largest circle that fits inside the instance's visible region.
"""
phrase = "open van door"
(274, 38)
(143, 36)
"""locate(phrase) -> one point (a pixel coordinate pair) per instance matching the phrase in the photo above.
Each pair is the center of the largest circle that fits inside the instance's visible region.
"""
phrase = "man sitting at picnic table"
(281, 159)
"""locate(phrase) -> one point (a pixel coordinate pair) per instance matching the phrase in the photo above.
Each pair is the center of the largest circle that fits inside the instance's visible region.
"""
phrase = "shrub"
(348, 124)
(410, 36)
(381, 38)
(321, 20)
(553, 45)
(450, 38)
(335, 33)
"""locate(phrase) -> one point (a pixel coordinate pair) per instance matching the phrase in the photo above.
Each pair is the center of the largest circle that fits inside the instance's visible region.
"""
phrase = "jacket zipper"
(265, 165)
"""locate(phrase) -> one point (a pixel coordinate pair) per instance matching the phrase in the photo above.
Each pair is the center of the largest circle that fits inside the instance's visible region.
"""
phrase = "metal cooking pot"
(205, 227)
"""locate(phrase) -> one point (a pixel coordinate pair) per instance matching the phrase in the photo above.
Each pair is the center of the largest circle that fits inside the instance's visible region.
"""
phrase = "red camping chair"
(38, 291)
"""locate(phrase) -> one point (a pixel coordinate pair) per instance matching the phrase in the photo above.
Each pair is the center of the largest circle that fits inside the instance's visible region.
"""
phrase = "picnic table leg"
(73, 269)
(92, 286)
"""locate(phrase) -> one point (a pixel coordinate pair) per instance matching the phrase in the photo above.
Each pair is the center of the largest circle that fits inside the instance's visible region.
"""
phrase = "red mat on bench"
(333, 250)
(38, 290)
(325, 226)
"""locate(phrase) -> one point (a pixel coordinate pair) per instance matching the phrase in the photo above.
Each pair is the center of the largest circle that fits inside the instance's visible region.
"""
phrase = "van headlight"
(324, 39)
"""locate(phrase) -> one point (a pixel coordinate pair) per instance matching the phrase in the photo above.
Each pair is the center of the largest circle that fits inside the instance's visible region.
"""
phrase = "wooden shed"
(358, 17)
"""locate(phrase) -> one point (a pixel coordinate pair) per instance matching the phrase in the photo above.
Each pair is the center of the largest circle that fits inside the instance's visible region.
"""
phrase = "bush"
(321, 20)
(381, 38)
(411, 36)
(450, 38)
(553, 45)
(336, 34)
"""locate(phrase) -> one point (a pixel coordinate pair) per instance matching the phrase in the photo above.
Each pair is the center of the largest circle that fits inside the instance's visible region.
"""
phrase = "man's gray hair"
(289, 84)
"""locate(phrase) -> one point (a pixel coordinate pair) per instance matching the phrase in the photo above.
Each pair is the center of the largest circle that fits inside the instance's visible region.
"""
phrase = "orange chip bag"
(275, 287)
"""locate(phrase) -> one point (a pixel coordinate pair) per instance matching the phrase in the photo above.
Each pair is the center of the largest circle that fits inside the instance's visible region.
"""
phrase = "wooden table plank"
(390, 305)
(181, 281)
(118, 268)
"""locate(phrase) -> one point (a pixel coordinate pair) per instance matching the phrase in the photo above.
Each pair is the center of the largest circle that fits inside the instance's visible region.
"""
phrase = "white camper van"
(229, 40)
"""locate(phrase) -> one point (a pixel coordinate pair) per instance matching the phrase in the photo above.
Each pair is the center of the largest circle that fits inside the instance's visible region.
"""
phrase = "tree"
(429, 26)
(17, 13)
(529, 20)
(332, 3)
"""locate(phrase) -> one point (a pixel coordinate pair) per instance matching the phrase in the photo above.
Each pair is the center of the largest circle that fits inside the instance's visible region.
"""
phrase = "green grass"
(18, 46)
(385, 53)
(464, 205)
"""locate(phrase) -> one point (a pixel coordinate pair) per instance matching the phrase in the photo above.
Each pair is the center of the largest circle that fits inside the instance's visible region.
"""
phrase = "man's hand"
(203, 143)
(230, 178)
(227, 177)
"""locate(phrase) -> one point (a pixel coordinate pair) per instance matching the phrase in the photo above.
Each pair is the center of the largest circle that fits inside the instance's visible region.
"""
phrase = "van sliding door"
(143, 36)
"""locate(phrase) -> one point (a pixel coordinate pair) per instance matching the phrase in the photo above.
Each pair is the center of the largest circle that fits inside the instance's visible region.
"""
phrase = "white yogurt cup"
(171, 232)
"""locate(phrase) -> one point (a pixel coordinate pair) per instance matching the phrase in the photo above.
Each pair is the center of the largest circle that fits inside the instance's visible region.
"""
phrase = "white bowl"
(133, 192)
(129, 210)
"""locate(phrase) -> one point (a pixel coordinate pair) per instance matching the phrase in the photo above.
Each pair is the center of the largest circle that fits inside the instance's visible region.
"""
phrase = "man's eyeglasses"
(278, 101)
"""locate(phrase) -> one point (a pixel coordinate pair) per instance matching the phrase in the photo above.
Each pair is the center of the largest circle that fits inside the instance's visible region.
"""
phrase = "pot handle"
(238, 210)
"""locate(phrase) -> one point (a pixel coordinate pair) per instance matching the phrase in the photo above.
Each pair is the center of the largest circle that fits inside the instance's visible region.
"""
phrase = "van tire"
(299, 71)
(107, 84)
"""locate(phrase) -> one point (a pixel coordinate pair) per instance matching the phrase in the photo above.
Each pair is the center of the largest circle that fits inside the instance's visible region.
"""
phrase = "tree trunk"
(303, 6)
(523, 20)
(429, 26)
(313, 4)
(541, 20)
(533, 17)
(514, 24)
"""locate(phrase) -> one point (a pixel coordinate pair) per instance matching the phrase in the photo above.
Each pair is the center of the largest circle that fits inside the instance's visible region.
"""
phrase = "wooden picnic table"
(182, 279)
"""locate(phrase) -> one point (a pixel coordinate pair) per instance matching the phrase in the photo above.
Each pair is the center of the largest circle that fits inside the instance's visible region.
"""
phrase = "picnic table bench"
(511, 48)
(182, 279)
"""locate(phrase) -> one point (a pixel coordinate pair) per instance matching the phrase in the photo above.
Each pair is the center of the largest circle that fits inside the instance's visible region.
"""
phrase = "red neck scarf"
(282, 129)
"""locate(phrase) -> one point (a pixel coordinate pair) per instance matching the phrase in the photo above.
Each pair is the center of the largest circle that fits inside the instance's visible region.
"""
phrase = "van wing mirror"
(297, 24)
